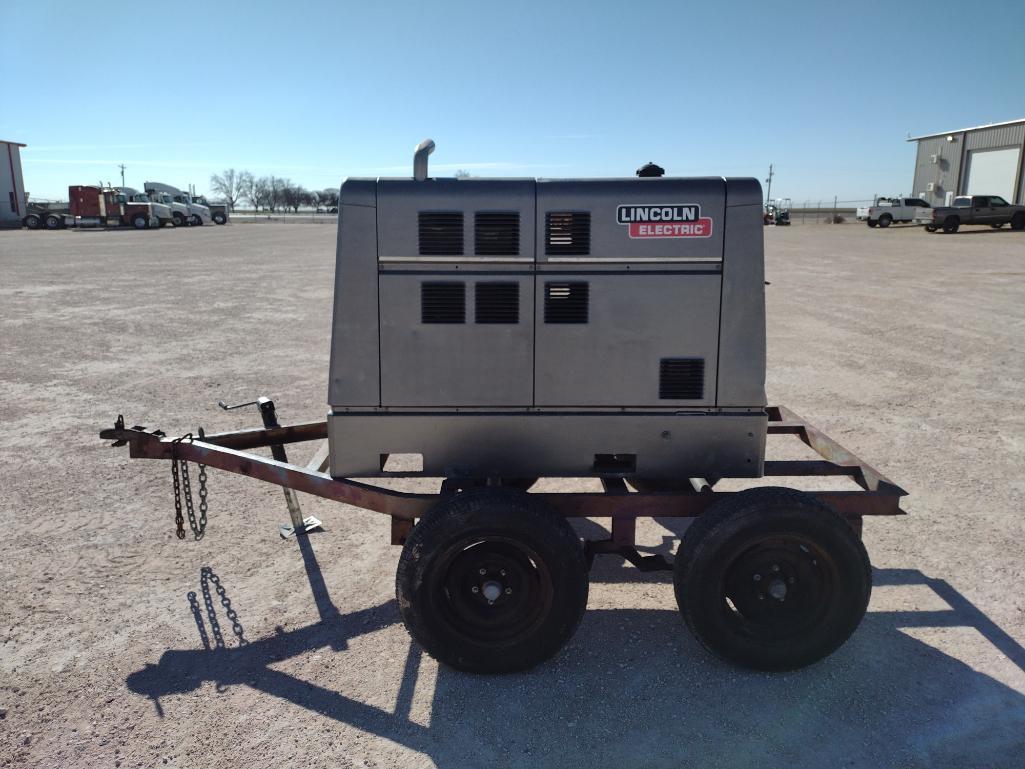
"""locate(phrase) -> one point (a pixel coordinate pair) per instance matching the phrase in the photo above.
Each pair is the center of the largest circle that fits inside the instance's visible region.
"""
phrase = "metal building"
(984, 160)
(12, 186)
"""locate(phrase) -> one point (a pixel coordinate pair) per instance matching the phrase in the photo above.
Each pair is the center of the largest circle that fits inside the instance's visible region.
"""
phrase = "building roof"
(19, 144)
(963, 130)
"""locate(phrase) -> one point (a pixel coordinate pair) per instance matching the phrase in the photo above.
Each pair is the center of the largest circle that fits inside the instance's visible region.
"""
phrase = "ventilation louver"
(497, 233)
(566, 302)
(497, 303)
(441, 233)
(681, 379)
(442, 302)
(567, 233)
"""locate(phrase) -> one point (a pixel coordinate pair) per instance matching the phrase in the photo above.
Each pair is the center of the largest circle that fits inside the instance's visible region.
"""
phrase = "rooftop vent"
(649, 170)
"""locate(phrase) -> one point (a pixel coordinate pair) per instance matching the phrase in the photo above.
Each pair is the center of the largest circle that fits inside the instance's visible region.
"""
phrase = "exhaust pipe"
(423, 149)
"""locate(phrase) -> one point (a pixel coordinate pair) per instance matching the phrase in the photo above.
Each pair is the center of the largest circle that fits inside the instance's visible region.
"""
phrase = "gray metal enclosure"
(519, 328)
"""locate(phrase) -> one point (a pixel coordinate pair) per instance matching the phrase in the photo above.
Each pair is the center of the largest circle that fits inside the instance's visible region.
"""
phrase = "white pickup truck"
(886, 211)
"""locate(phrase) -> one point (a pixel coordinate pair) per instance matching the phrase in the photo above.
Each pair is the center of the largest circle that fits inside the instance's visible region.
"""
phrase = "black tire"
(140, 221)
(524, 607)
(668, 485)
(951, 225)
(219, 217)
(1018, 221)
(930, 228)
(178, 219)
(885, 220)
(741, 560)
(32, 221)
(872, 222)
(997, 226)
(53, 222)
(195, 221)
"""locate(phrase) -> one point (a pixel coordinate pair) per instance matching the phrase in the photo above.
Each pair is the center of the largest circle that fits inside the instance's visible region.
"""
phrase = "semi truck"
(973, 209)
(95, 206)
(194, 212)
(218, 211)
(161, 209)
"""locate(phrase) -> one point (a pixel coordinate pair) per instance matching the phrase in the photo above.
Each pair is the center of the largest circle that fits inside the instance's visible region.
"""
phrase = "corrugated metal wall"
(945, 174)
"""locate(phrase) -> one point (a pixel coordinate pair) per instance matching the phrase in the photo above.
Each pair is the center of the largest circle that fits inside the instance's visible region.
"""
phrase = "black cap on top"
(650, 169)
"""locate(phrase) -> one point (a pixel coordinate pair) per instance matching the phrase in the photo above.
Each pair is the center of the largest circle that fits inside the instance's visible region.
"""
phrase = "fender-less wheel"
(178, 219)
(53, 222)
(951, 224)
(219, 218)
(1018, 221)
(885, 220)
(872, 222)
(491, 580)
(140, 221)
(32, 221)
(772, 579)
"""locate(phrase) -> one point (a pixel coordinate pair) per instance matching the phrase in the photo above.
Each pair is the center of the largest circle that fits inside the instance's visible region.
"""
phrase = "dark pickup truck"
(973, 209)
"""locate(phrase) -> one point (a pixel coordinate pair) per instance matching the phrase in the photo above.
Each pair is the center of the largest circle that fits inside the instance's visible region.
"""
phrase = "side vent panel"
(441, 233)
(497, 302)
(681, 379)
(566, 302)
(568, 233)
(497, 233)
(442, 302)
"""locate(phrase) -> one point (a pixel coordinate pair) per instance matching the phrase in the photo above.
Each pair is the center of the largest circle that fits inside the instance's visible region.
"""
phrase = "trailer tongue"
(506, 330)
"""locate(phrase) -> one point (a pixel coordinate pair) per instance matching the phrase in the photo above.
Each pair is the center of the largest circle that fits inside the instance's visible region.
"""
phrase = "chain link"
(183, 489)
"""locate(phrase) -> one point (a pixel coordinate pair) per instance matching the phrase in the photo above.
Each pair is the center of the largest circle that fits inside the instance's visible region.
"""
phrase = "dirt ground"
(117, 644)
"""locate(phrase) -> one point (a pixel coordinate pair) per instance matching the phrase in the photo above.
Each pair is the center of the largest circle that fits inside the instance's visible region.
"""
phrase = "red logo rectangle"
(700, 228)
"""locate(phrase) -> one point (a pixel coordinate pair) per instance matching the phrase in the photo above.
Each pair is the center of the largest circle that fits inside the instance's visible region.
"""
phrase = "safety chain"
(206, 576)
(183, 488)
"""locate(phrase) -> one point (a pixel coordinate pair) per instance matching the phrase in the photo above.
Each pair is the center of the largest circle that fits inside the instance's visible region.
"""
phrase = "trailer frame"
(230, 451)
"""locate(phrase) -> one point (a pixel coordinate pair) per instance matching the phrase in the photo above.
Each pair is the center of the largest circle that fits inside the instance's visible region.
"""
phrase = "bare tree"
(229, 184)
(294, 195)
(257, 191)
(462, 174)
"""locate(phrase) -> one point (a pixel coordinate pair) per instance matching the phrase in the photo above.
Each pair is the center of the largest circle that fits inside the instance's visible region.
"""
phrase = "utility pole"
(768, 191)
(122, 167)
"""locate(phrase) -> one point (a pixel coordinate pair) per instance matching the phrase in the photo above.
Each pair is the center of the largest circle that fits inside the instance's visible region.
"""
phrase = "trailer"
(615, 332)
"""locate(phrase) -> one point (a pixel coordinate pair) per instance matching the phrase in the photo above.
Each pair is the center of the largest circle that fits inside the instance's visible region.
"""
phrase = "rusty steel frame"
(227, 451)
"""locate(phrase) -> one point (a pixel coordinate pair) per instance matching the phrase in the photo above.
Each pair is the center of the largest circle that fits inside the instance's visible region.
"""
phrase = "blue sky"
(320, 91)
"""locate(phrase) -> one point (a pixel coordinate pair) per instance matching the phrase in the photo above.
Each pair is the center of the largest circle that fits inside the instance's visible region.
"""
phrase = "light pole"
(122, 167)
(768, 190)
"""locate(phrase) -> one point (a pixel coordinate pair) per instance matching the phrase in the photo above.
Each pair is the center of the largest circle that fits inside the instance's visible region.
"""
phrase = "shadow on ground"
(634, 689)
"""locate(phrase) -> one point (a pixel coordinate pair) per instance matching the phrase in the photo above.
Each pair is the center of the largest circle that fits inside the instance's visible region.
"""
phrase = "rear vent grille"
(566, 302)
(442, 302)
(441, 233)
(497, 234)
(497, 303)
(567, 233)
(681, 379)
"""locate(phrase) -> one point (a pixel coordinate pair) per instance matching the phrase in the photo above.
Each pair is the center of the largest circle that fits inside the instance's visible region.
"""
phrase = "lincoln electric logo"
(667, 220)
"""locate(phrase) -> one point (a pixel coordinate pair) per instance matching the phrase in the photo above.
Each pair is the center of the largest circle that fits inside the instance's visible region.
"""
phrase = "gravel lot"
(117, 645)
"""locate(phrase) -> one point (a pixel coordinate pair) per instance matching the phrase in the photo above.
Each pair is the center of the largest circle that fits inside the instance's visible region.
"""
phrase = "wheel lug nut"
(757, 577)
(482, 572)
(474, 589)
(508, 591)
(761, 596)
(775, 567)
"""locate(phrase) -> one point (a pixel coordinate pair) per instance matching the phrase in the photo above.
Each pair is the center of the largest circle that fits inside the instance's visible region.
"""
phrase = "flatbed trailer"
(232, 452)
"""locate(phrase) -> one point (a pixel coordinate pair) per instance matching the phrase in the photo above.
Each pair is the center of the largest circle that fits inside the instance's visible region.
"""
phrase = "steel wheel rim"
(502, 606)
(778, 587)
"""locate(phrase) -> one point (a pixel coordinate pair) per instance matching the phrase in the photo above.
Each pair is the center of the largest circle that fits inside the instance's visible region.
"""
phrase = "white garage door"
(992, 172)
